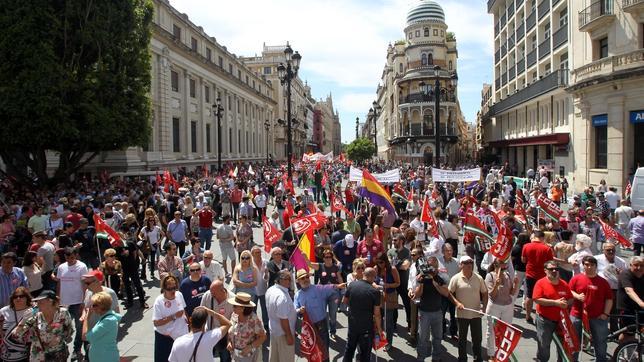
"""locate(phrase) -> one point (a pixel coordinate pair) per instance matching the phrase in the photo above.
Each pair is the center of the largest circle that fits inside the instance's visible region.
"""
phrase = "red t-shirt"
(376, 250)
(597, 291)
(348, 194)
(75, 219)
(205, 218)
(545, 289)
(236, 195)
(536, 254)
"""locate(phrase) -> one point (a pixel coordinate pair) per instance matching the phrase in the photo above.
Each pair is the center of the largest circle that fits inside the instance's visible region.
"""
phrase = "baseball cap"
(349, 240)
(95, 274)
(46, 294)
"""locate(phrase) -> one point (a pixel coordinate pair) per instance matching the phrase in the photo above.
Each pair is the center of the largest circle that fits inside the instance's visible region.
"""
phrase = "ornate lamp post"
(357, 125)
(437, 103)
(218, 109)
(286, 73)
(267, 127)
(374, 112)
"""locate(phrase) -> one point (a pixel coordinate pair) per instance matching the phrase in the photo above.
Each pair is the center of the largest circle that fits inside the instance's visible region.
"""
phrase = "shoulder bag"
(11, 350)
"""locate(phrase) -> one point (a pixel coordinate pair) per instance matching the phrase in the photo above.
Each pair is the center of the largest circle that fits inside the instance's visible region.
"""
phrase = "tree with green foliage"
(361, 149)
(74, 80)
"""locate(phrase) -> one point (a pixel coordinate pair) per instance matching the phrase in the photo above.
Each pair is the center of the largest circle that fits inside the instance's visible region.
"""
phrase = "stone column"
(617, 125)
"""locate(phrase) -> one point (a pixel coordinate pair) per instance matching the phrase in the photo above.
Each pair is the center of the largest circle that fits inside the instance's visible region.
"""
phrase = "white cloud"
(355, 103)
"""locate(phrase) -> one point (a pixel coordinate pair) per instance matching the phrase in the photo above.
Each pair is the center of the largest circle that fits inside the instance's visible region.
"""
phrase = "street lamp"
(437, 103)
(375, 113)
(286, 74)
(357, 124)
(218, 109)
(267, 126)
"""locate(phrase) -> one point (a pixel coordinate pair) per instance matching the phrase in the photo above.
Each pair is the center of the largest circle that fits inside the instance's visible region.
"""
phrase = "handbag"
(10, 350)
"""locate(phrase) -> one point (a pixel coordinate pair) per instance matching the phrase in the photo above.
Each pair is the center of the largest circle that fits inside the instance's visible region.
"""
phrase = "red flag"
(426, 216)
(101, 227)
(610, 233)
(504, 242)
(337, 204)
(566, 335)
(312, 208)
(506, 338)
(324, 179)
(379, 342)
(311, 345)
(271, 234)
(318, 165)
(159, 180)
(166, 181)
(519, 212)
(475, 225)
(410, 197)
(313, 222)
(549, 207)
(290, 211)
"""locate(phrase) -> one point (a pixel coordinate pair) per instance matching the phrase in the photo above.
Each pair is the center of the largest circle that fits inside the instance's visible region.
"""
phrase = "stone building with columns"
(190, 71)
(405, 124)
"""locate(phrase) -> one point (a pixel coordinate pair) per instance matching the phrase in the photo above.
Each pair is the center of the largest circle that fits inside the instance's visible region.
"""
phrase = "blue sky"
(343, 43)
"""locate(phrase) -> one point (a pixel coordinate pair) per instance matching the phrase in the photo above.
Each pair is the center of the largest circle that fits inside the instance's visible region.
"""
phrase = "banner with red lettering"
(506, 338)
(566, 337)
(611, 233)
(311, 345)
(549, 207)
(271, 234)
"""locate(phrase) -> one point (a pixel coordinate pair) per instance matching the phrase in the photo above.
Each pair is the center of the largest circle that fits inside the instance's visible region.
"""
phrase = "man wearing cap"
(93, 282)
(467, 290)
(364, 303)
(345, 251)
(281, 319)
(70, 290)
(313, 299)
(10, 278)
(636, 228)
(217, 299)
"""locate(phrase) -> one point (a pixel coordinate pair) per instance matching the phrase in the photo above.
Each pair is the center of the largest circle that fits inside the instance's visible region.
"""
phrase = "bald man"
(364, 302)
(217, 299)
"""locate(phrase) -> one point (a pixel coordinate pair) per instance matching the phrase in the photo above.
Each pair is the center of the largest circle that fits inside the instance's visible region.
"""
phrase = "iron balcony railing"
(560, 37)
(520, 31)
(520, 66)
(627, 3)
(544, 48)
(532, 57)
(595, 11)
(417, 129)
(552, 81)
(531, 21)
(429, 97)
(544, 8)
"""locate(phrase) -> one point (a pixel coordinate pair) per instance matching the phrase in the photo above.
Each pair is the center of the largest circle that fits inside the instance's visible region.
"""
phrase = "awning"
(549, 139)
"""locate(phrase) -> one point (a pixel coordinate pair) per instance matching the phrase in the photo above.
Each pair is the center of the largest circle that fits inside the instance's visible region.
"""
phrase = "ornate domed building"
(405, 117)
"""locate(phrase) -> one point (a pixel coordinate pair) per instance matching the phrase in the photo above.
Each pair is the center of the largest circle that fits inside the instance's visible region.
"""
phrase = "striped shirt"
(9, 282)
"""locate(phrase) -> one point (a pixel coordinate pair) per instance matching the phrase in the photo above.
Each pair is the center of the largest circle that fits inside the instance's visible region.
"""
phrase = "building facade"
(606, 85)
(529, 119)
(405, 124)
(327, 126)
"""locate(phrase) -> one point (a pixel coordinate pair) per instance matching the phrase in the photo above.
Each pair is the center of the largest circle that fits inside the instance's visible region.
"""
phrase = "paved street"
(136, 338)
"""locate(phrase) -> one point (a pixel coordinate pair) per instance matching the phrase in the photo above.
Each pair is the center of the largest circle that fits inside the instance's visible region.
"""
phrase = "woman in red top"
(348, 195)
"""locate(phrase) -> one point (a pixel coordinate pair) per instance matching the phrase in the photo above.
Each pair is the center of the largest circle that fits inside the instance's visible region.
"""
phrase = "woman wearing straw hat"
(247, 333)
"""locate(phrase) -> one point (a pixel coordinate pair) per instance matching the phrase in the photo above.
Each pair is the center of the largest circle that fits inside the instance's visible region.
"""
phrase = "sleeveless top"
(327, 275)
(246, 276)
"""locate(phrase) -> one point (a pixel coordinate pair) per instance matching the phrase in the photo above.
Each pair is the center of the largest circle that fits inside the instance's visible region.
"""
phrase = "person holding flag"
(501, 291)
(592, 306)
(552, 295)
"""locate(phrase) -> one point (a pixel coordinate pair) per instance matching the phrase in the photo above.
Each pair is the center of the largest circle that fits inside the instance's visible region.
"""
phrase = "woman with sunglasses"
(102, 336)
(112, 269)
(13, 349)
(358, 271)
(168, 317)
(245, 275)
(151, 234)
(389, 279)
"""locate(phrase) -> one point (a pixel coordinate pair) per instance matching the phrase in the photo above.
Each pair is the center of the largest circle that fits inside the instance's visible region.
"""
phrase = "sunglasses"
(554, 270)
(171, 289)
(207, 257)
(195, 270)
(245, 258)
(20, 296)
(610, 250)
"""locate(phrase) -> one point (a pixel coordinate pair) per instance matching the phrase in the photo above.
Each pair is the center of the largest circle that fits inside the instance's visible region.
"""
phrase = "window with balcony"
(174, 80)
(193, 136)
(192, 88)
(230, 68)
(417, 34)
(176, 32)
(208, 138)
(601, 48)
(193, 44)
(563, 61)
(435, 32)
(209, 54)
(546, 31)
(230, 140)
(221, 62)
(450, 65)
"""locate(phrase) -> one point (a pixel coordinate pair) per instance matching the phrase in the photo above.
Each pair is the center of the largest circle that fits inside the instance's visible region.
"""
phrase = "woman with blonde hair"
(102, 336)
(113, 270)
(245, 275)
(358, 270)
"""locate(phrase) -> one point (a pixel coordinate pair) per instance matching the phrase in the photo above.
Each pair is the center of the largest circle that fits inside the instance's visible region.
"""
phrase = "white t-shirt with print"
(184, 346)
(167, 307)
(71, 284)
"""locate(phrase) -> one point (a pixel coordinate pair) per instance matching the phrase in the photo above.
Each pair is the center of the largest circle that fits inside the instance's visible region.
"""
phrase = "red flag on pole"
(426, 216)
(410, 197)
(506, 338)
(566, 336)
(611, 233)
(337, 204)
(271, 234)
(102, 228)
(311, 345)
(313, 221)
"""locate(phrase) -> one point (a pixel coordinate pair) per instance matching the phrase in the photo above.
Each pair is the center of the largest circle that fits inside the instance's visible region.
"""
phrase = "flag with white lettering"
(566, 337)
(610, 233)
(311, 345)
(506, 338)
(271, 234)
(549, 207)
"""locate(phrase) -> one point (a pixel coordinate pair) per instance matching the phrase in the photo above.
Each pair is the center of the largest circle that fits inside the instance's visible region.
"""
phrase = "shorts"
(530, 283)
(227, 252)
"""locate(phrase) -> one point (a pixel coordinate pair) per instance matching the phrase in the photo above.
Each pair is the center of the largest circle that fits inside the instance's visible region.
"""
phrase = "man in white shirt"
(612, 198)
(544, 183)
(71, 292)
(198, 344)
(453, 205)
(260, 202)
(211, 268)
(623, 215)
(419, 226)
(609, 266)
(281, 319)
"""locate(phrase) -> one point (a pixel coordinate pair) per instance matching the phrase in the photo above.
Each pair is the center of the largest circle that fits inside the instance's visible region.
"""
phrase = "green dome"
(425, 10)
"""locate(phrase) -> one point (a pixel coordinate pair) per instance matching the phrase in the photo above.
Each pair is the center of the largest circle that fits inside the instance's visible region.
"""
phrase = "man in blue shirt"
(345, 251)
(10, 278)
(313, 300)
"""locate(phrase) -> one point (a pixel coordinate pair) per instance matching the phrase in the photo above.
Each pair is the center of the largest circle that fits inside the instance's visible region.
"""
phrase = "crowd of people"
(65, 276)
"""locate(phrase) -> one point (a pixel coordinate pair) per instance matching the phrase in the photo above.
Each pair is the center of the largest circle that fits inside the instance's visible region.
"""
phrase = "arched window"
(430, 59)
(423, 59)
(451, 65)
(426, 32)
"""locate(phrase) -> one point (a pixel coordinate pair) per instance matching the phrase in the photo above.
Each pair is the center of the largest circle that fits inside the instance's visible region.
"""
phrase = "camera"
(425, 270)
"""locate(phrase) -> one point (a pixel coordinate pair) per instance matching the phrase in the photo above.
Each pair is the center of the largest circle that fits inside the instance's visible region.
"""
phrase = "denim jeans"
(545, 331)
(332, 305)
(430, 323)
(448, 306)
(205, 236)
(262, 304)
(75, 312)
(599, 333)
(389, 325)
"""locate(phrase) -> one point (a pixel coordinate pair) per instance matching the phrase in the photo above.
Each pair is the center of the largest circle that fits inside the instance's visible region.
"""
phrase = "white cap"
(349, 240)
(464, 258)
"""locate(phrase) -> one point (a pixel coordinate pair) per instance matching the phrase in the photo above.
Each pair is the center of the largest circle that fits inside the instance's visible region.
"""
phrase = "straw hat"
(241, 299)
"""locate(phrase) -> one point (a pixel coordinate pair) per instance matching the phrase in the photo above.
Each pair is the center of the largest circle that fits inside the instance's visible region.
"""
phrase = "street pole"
(218, 109)
(437, 104)
(289, 145)
(357, 124)
(267, 128)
